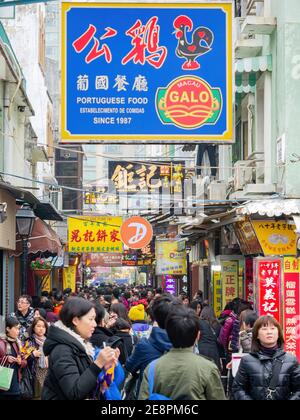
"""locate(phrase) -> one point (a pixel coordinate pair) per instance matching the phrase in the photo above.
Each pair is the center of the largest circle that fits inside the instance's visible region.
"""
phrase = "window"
(65, 169)
(65, 155)
(71, 199)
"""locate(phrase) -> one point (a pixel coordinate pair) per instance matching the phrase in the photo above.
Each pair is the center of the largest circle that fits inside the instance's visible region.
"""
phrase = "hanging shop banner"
(100, 196)
(269, 288)
(170, 285)
(47, 284)
(169, 260)
(136, 232)
(102, 260)
(241, 270)
(276, 238)
(230, 289)
(217, 285)
(249, 280)
(291, 305)
(247, 238)
(148, 177)
(134, 71)
(95, 234)
(69, 277)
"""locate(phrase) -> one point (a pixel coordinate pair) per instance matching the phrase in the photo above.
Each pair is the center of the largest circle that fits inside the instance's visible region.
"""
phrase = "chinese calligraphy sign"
(230, 288)
(269, 289)
(95, 234)
(136, 177)
(145, 71)
(291, 305)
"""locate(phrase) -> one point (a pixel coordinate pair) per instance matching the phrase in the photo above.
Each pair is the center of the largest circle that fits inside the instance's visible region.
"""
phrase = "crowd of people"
(139, 343)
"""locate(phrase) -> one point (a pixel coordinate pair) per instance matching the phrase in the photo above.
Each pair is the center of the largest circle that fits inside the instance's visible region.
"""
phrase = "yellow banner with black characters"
(69, 277)
(276, 238)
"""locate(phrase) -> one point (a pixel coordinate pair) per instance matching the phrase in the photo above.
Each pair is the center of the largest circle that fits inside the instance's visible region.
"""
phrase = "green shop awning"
(248, 70)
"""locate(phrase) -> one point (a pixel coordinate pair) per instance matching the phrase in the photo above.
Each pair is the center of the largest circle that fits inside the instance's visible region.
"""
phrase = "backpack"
(151, 375)
(118, 342)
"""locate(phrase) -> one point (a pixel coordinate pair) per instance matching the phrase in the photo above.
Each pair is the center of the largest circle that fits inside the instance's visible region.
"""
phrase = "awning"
(248, 70)
(271, 208)
(43, 239)
(43, 210)
(47, 211)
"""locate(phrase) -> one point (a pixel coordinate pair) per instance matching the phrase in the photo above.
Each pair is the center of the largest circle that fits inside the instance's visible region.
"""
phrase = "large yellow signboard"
(95, 234)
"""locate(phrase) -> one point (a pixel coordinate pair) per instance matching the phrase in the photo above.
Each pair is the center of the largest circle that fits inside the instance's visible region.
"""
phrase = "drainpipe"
(7, 140)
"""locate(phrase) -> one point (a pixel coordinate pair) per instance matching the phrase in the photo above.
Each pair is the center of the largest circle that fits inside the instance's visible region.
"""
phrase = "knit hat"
(137, 313)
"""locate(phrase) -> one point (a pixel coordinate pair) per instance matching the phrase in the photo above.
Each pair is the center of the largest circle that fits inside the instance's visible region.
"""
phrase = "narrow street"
(149, 202)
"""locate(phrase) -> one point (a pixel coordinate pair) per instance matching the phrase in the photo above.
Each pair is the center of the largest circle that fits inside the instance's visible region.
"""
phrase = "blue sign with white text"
(147, 72)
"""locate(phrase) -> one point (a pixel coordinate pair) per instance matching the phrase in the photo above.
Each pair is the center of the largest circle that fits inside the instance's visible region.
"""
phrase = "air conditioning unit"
(243, 174)
(217, 191)
(56, 199)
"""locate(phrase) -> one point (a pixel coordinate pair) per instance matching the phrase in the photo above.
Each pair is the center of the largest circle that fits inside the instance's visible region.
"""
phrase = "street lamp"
(25, 218)
(189, 280)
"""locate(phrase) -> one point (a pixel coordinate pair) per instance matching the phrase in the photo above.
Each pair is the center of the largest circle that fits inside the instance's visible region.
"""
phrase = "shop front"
(7, 244)
(268, 239)
(43, 244)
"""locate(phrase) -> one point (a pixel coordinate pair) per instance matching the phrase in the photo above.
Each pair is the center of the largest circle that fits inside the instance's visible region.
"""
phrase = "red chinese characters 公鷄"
(82, 42)
(145, 41)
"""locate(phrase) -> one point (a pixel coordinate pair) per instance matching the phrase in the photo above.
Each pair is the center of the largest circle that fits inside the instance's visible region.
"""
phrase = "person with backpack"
(268, 372)
(149, 349)
(225, 335)
(122, 329)
(180, 374)
(103, 336)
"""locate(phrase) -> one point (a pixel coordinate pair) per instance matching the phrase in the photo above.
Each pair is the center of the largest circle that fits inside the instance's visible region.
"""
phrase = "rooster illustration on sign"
(202, 40)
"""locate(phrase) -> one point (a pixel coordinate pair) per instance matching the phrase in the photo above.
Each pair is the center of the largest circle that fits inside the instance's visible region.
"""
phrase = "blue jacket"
(148, 350)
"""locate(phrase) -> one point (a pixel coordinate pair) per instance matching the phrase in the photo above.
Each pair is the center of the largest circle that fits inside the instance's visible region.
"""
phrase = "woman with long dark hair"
(37, 361)
(209, 332)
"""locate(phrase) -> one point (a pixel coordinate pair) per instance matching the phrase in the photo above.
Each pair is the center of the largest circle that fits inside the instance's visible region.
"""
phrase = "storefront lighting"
(216, 268)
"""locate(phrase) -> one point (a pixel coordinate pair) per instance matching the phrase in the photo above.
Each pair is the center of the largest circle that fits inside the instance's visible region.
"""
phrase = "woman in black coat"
(72, 373)
(256, 370)
(209, 332)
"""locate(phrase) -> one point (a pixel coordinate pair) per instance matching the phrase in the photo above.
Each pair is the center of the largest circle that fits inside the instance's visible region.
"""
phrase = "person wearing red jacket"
(10, 356)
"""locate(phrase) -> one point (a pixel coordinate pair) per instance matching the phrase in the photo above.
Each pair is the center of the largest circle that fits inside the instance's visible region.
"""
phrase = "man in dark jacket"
(157, 344)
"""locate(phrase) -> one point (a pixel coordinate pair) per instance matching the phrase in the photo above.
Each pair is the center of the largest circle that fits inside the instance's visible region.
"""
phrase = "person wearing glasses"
(25, 315)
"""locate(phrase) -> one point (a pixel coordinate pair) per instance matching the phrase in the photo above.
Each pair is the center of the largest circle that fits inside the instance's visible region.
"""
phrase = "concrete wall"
(23, 32)
(8, 228)
(285, 46)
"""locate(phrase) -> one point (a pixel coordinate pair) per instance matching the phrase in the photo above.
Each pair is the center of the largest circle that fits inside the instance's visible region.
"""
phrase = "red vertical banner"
(291, 306)
(269, 290)
(249, 280)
